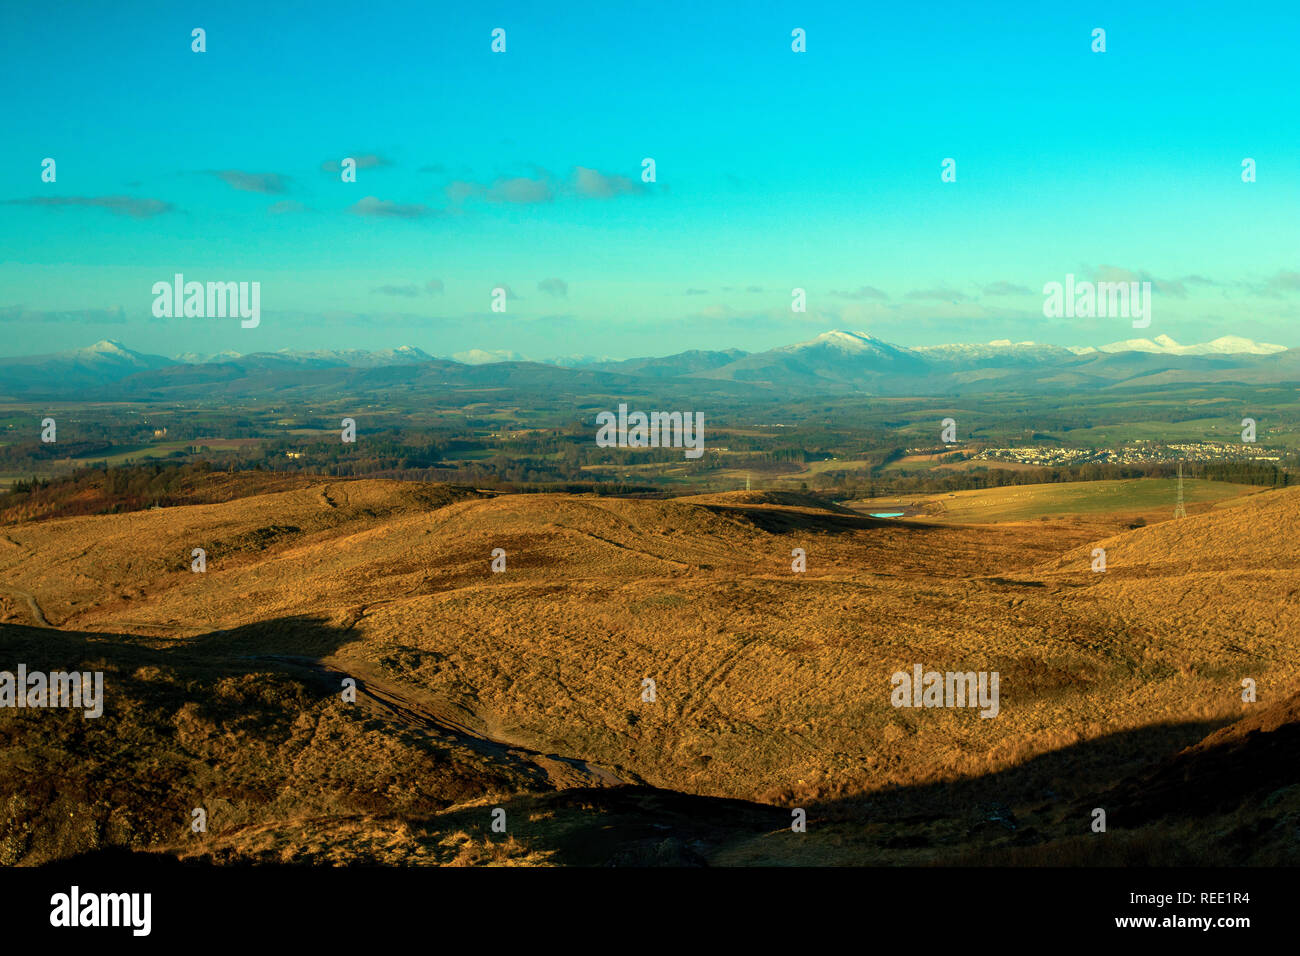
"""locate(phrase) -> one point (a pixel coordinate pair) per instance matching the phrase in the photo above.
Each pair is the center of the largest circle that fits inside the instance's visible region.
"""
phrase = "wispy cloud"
(409, 291)
(555, 287)
(363, 161)
(285, 206)
(594, 184)
(1285, 281)
(520, 189)
(434, 287)
(118, 205)
(458, 190)
(1109, 273)
(1003, 287)
(542, 186)
(861, 293)
(386, 209)
(252, 182)
(512, 189)
(17, 313)
(940, 293)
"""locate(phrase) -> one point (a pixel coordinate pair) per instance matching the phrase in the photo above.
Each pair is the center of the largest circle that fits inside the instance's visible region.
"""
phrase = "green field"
(1135, 496)
(165, 449)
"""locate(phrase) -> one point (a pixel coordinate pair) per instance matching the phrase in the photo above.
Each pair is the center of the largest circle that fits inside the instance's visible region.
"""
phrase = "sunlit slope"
(1261, 532)
(769, 684)
(341, 546)
(1216, 593)
(107, 565)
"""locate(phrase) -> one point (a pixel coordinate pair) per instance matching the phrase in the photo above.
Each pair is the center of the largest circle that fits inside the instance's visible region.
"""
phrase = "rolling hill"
(525, 688)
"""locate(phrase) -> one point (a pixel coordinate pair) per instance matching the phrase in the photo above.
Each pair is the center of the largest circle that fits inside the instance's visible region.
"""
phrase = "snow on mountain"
(576, 361)
(1135, 345)
(1224, 345)
(1160, 345)
(402, 355)
(104, 362)
(200, 358)
(353, 358)
(1236, 345)
(356, 358)
(835, 356)
(850, 342)
(484, 357)
(996, 349)
(847, 345)
(109, 352)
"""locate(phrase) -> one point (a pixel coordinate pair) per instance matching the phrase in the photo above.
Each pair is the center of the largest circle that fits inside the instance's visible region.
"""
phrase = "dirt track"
(422, 711)
(38, 616)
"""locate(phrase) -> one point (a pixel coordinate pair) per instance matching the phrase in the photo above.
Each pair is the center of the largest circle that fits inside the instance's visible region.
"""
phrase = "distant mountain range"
(325, 358)
(834, 361)
(1226, 345)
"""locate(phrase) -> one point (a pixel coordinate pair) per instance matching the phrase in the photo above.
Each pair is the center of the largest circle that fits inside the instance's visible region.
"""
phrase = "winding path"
(400, 704)
(38, 616)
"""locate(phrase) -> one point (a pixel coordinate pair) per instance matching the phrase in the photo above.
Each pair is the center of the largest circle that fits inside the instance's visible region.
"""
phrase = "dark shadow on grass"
(1138, 776)
(787, 521)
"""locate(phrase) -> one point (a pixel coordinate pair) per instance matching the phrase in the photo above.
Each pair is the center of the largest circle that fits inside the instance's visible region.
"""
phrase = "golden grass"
(771, 686)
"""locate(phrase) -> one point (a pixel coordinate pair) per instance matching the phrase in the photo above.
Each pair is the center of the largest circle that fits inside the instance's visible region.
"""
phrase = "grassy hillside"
(524, 688)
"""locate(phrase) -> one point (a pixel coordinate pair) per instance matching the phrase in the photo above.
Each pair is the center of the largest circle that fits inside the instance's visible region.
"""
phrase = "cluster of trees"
(23, 455)
(100, 490)
(850, 484)
(1240, 472)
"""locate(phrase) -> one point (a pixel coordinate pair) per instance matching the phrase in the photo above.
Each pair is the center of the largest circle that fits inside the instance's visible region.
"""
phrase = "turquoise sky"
(775, 170)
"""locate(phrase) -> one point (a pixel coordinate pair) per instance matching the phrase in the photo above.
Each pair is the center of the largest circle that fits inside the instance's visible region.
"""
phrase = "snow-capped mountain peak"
(847, 344)
(1134, 345)
(109, 347)
(109, 352)
(1236, 345)
(844, 341)
(1164, 345)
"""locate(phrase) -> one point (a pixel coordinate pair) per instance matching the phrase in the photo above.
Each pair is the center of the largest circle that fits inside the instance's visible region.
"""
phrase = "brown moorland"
(523, 689)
